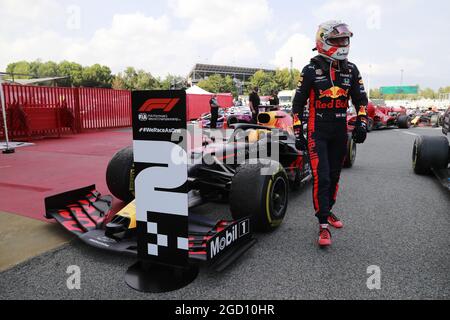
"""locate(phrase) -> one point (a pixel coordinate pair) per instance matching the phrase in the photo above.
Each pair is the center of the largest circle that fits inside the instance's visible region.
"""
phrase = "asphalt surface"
(394, 219)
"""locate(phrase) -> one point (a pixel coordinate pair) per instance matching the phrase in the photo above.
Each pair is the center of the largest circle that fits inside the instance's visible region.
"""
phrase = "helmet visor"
(341, 30)
(339, 42)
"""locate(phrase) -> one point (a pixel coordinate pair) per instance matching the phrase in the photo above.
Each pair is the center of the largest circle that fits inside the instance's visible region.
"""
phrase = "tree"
(219, 84)
(118, 83)
(72, 70)
(428, 93)
(265, 81)
(131, 79)
(171, 82)
(376, 94)
(97, 76)
(21, 67)
(287, 80)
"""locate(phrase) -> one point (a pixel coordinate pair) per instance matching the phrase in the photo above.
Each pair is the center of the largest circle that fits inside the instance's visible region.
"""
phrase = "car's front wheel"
(119, 175)
(260, 191)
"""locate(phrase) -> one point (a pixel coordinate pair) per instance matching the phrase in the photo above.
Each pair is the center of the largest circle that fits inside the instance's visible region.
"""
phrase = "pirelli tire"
(262, 197)
(404, 122)
(350, 158)
(430, 152)
(119, 175)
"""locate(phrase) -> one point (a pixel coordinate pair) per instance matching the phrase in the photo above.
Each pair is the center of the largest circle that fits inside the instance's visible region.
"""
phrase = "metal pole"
(368, 82)
(8, 150)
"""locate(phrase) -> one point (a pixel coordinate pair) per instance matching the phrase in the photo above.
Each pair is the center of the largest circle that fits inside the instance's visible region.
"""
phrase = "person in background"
(254, 103)
(274, 101)
(214, 111)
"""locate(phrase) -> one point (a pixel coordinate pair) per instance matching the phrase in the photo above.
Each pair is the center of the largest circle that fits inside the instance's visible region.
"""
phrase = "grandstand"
(242, 74)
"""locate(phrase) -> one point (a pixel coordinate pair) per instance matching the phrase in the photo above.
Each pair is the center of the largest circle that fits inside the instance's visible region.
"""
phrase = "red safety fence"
(198, 104)
(91, 108)
(104, 108)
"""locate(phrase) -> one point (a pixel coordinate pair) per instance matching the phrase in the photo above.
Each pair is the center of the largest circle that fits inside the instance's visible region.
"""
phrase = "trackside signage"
(160, 160)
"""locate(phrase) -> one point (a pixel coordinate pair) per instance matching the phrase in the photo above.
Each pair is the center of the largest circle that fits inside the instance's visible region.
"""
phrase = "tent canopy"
(197, 90)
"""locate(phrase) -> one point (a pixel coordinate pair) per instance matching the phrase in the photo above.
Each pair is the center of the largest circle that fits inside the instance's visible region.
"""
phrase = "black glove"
(300, 141)
(360, 131)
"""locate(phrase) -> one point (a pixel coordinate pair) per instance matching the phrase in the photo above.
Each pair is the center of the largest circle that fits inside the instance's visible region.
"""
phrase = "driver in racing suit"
(328, 82)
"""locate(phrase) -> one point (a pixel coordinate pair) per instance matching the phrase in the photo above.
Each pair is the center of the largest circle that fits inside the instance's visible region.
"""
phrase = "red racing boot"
(335, 222)
(324, 236)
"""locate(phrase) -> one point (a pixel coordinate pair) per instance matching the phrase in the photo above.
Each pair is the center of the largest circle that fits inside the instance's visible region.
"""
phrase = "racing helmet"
(333, 40)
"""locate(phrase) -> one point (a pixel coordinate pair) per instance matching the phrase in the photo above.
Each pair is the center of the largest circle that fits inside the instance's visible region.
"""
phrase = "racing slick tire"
(119, 174)
(404, 122)
(263, 198)
(430, 152)
(351, 153)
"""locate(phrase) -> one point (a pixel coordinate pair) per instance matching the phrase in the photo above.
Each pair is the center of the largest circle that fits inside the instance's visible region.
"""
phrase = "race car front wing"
(85, 213)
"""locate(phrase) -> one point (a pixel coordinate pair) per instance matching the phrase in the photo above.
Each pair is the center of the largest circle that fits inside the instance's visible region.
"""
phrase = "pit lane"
(394, 219)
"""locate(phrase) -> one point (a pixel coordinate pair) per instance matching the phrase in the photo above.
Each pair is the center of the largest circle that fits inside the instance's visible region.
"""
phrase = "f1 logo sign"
(165, 105)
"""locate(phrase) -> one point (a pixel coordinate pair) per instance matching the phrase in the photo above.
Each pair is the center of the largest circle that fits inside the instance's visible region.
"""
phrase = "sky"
(170, 36)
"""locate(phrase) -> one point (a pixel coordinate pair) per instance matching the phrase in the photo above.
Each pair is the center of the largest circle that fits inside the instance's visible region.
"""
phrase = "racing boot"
(324, 236)
(335, 222)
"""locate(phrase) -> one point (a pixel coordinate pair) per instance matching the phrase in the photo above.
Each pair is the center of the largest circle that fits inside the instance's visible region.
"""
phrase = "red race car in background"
(381, 117)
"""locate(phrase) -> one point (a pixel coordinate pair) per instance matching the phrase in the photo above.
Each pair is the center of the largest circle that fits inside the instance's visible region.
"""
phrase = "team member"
(214, 111)
(274, 101)
(329, 81)
(254, 103)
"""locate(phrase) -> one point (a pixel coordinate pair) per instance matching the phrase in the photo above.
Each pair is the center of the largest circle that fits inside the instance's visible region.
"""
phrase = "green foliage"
(96, 76)
(171, 81)
(264, 81)
(219, 84)
(72, 70)
(282, 79)
(132, 79)
(93, 76)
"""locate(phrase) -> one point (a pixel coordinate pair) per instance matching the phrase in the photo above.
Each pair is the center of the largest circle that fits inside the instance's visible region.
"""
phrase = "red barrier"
(92, 108)
(198, 104)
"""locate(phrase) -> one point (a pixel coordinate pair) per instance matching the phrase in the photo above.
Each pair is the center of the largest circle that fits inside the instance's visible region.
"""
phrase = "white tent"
(197, 90)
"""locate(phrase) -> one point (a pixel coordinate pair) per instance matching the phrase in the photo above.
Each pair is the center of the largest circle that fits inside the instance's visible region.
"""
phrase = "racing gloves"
(300, 141)
(360, 131)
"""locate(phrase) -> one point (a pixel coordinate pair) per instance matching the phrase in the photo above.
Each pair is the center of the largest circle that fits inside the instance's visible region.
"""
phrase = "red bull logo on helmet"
(333, 93)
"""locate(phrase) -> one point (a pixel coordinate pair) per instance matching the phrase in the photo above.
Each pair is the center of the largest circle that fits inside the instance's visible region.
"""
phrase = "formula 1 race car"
(226, 171)
(432, 154)
(385, 117)
(226, 118)
(426, 119)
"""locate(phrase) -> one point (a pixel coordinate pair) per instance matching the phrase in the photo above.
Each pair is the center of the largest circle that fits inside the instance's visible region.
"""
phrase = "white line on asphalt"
(410, 133)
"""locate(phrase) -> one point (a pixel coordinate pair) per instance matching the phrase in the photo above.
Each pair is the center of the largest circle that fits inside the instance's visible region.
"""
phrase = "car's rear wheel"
(404, 122)
(260, 191)
(351, 152)
(430, 152)
(119, 175)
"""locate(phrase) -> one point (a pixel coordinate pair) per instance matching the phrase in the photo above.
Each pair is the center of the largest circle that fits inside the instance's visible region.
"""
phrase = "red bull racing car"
(252, 170)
